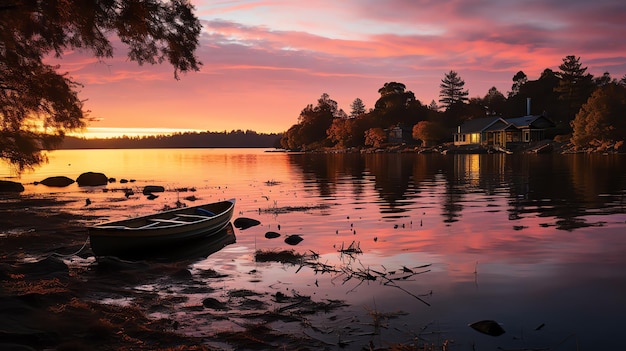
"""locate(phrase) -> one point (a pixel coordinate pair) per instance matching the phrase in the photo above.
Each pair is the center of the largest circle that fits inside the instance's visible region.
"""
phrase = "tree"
(428, 132)
(604, 80)
(575, 84)
(494, 102)
(313, 124)
(452, 92)
(340, 132)
(358, 108)
(38, 105)
(397, 105)
(601, 117)
(544, 99)
(375, 137)
(519, 79)
(433, 106)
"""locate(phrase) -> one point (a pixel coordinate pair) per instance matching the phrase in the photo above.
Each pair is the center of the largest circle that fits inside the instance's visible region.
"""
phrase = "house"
(496, 131)
(399, 133)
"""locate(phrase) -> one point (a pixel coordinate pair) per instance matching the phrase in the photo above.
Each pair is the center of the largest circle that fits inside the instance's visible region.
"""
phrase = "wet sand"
(52, 298)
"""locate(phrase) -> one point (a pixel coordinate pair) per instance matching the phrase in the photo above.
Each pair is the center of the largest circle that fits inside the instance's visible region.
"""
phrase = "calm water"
(523, 240)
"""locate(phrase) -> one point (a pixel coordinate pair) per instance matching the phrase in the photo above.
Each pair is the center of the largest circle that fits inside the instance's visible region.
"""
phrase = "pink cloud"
(266, 60)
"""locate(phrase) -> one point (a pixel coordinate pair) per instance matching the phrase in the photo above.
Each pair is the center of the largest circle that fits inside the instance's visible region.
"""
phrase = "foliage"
(575, 85)
(433, 106)
(452, 92)
(544, 99)
(494, 102)
(398, 106)
(358, 108)
(340, 132)
(602, 117)
(234, 138)
(375, 137)
(313, 123)
(429, 132)
(604, 80)
(38, 104)
(519, 79)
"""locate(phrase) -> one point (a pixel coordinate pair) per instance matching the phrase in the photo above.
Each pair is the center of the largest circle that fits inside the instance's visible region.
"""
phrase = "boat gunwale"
(115, 229)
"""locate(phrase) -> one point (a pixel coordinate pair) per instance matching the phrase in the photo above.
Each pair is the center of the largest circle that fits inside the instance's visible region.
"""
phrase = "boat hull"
(160, 230)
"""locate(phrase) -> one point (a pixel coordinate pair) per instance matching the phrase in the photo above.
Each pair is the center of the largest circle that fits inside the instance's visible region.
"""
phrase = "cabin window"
(526, 136)
(474, 138)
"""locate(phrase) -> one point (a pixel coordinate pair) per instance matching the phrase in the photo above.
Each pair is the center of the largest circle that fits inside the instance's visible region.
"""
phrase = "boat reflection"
(188, 250)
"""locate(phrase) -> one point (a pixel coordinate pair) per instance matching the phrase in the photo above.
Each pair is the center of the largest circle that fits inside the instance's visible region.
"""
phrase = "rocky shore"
(54, 295)
(544, 147)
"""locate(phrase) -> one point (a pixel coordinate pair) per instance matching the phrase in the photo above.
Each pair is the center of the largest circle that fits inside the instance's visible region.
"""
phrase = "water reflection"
(524, 240)
(189, 250)
(565, 187)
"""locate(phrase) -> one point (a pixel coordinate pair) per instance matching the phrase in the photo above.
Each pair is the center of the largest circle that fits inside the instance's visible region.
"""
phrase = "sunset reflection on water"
(524, 240)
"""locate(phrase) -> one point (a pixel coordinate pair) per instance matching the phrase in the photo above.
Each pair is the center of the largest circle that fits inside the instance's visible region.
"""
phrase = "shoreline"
(55, 295)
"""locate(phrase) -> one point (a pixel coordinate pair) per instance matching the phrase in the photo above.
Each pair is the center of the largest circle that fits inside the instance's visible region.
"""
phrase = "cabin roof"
(479, 124)
(530, 121)
(484, 124)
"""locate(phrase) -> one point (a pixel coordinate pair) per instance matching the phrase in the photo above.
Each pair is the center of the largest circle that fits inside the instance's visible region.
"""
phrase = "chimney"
(527, 106)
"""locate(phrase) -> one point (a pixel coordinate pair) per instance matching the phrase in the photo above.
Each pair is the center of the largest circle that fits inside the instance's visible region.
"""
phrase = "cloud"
(266, 60)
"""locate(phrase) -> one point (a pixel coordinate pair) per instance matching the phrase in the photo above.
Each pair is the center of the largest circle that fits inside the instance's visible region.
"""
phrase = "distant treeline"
(235, 139)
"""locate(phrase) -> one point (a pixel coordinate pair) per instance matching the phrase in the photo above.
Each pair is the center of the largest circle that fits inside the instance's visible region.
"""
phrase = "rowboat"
(159, 230)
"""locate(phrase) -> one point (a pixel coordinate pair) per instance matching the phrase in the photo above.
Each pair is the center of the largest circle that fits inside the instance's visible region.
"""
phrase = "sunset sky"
(264, 61)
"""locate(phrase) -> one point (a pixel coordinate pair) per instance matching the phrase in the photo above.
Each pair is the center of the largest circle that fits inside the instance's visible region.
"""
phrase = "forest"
(584, 108)
(232, 139)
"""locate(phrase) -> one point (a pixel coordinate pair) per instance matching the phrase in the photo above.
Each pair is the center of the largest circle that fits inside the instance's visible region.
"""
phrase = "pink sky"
(264, 61)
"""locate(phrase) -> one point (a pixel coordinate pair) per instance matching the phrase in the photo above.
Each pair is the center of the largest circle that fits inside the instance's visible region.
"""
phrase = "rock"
(7, 186)
(112, 180)
(272, 235)
(488, 327)
(47, 267)
(58, 181)
(245, 223)
(92, 179)
(294, 239)
(182, 275)
(214, 304)
(123, 181)
(149, 189)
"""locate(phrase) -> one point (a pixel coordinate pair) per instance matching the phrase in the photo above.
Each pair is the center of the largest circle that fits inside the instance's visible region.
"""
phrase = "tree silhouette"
(575, 84)
(358, 108)
(38, 104)
(519, 79)
(601, 118)
(452, 92)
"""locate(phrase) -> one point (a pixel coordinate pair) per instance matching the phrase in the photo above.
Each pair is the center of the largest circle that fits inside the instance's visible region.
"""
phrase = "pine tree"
(358, 108)
(575, 85)
(452, 92)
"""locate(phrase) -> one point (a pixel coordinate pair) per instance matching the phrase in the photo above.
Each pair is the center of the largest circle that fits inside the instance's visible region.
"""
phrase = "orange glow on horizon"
(262, 63)
(109, 133)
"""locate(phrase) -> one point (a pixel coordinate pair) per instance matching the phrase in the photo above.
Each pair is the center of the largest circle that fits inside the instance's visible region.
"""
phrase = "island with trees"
(588, 113)
(232, 139)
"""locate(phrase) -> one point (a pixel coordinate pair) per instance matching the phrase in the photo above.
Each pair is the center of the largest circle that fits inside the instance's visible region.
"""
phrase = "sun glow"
(108, 132)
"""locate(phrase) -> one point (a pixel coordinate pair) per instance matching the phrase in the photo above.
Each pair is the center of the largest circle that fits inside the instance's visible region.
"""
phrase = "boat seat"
(192, 216)
(147, 225)
(160, 220)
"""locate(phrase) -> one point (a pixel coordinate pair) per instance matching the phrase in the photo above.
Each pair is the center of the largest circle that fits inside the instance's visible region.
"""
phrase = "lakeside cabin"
(497, 131)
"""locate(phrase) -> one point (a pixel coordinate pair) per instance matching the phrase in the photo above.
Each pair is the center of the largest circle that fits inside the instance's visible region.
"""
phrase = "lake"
(430, 242)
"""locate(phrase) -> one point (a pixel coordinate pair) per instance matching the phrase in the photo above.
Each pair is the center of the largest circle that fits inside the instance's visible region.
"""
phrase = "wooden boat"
(168, 228)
